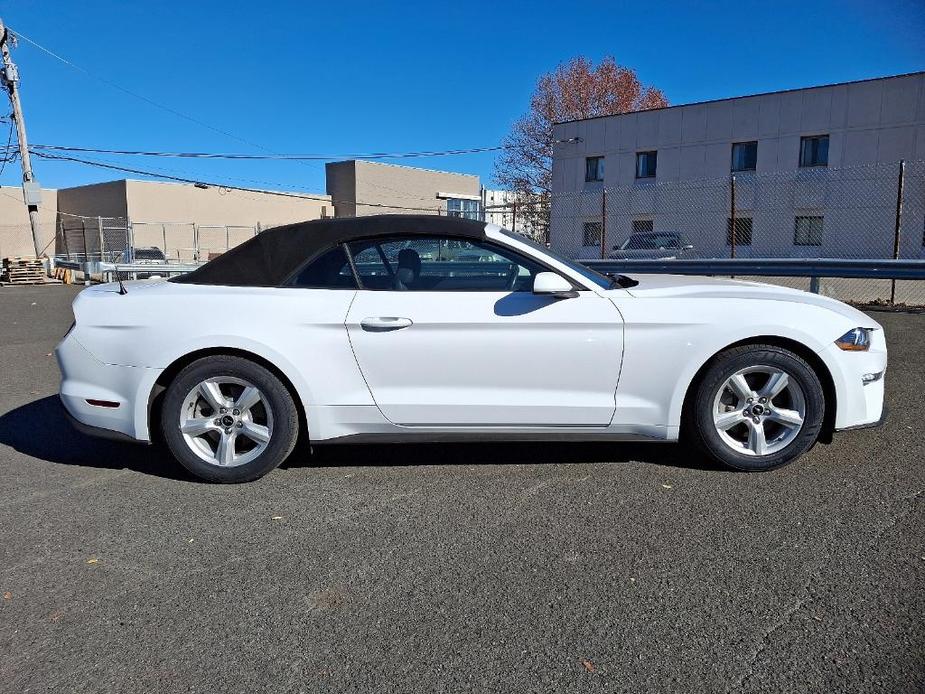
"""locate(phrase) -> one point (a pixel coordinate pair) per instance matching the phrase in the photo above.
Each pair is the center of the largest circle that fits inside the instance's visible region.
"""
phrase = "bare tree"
(572, 91)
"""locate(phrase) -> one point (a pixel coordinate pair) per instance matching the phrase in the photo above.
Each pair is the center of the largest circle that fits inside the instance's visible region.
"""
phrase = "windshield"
(650, 242)
(597, 278)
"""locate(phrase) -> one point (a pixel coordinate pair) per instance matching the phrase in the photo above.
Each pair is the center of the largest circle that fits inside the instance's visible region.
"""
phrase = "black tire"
(699, 426)
(285, 429)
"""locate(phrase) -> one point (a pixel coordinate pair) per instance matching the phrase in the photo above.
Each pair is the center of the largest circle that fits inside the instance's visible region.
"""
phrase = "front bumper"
(859, 403)
(85, 380)
(872, 425)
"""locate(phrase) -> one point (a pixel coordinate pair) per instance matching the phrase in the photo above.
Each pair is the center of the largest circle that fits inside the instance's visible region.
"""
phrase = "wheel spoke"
(224, 453)
(789, 418)
(776, 383)
(249, 397)
(197, 426)
(255, 432)
(727, 420)
(756, 439)
(213, 395)
(740, 387)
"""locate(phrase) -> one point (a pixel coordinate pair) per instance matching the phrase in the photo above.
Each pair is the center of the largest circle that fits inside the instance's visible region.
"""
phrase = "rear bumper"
(100, 432)
(85, 380)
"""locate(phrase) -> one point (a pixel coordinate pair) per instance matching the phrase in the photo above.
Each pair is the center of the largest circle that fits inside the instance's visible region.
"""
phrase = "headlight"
(857, 340)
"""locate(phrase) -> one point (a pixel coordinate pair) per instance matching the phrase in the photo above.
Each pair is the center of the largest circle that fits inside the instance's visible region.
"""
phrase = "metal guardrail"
(813, 268)
(107, 270)
(770, 267)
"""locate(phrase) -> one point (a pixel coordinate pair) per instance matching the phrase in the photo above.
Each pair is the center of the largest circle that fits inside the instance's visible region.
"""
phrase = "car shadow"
(40, 429)
(504, 453)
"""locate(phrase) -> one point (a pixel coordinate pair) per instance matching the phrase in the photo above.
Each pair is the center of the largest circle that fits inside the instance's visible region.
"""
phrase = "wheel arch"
(166, 377)
(800, 349)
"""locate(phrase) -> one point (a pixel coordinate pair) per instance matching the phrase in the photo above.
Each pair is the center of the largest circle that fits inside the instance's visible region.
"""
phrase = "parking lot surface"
(453, 568)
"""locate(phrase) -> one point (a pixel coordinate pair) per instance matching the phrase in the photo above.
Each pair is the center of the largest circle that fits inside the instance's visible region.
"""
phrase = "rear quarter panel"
(300, 331)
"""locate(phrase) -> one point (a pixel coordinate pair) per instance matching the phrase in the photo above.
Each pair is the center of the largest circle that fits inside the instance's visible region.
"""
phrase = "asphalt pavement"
(455, 568)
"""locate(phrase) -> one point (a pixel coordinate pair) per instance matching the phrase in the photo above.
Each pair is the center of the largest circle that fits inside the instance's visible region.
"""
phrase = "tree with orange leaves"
(572, 91)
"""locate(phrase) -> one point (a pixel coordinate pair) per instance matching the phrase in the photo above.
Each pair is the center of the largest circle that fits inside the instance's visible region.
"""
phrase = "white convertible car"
(420, 328)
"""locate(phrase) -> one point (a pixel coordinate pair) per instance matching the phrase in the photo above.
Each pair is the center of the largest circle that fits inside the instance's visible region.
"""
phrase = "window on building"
(642, 226)
(459, 207)
(594, 169)
(592, 234)
(814, 151)
(744, 156)
(646, 163)
(743, 231)
(807, 231)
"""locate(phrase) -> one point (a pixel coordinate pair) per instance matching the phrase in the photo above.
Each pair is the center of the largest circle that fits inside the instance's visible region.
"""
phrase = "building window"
(743, 234)
(592, 234)
(459, 207)
(807, 231)
(744, 156)
(814, 151)
(646, 163)
(643, 226)
(594, 169)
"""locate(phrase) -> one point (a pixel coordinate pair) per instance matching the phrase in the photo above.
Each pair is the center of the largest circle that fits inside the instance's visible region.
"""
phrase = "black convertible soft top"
(269, 258)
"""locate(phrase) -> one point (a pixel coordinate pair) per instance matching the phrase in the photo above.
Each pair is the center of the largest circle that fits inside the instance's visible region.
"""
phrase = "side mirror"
(554, 285)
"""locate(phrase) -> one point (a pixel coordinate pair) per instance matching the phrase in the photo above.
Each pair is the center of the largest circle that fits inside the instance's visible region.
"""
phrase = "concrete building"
(15, 229)
(359, 188)
(816, 172)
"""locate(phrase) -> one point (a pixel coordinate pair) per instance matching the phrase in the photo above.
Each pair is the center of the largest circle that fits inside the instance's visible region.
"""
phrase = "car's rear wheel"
(756, 408)
(227, 419)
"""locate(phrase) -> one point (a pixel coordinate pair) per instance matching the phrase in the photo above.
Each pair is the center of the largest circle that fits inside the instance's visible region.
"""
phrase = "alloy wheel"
(759, 410)
(226, 421)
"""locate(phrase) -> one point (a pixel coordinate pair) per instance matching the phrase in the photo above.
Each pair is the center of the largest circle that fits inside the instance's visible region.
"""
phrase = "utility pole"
(31, 190)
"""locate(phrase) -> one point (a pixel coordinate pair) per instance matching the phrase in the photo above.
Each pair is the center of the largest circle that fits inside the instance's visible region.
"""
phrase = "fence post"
(604, 224)
(732, 217)
(513, 216)
(99, 227)
(164, 234)
(900, 184)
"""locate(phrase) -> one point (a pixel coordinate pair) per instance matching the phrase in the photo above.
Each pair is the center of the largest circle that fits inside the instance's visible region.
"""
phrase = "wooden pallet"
(23, 270)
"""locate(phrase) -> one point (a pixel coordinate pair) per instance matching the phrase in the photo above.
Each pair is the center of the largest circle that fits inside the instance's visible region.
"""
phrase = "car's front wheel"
(756, 408)
(227, 419)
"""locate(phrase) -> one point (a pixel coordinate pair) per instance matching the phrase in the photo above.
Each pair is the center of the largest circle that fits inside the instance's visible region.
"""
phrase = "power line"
(201, 183)
(134, 94)
(207, 155)
(280, 157)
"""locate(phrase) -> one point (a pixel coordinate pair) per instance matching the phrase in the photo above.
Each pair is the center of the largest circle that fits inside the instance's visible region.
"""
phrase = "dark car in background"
(653, 245)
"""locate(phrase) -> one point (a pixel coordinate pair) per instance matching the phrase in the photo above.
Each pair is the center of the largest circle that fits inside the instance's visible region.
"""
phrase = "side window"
(375, 269)
(331, 270)
(433, 264)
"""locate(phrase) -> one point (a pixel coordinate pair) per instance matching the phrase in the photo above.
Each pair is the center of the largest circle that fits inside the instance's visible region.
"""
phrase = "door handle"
(384, 324)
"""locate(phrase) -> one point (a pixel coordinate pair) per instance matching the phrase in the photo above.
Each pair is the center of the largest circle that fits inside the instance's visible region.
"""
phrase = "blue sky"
(341, 77)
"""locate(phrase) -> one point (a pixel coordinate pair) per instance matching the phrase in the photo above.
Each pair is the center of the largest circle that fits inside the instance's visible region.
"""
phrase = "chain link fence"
(864, 212)
(117, 239)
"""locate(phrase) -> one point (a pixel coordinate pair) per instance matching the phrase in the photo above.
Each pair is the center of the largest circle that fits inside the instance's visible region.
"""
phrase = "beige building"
(15, 230)
(360, 188)
(185, 221)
